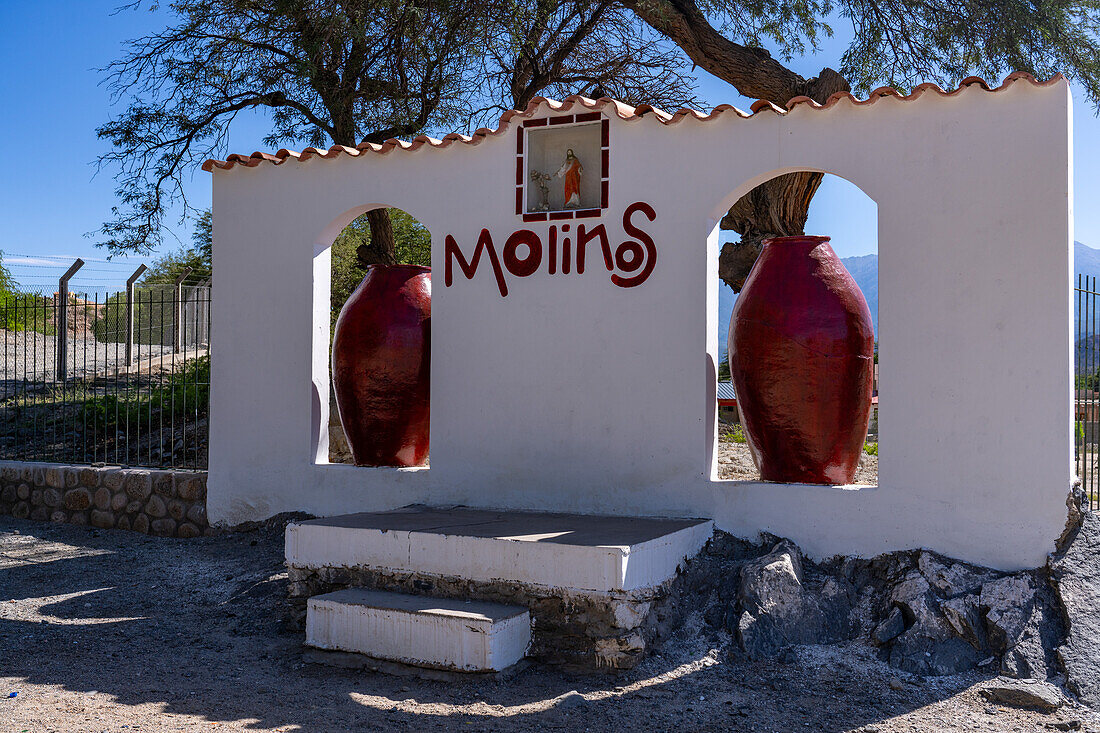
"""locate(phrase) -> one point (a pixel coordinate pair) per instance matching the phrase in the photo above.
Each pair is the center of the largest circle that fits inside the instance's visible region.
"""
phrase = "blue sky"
(50, 197)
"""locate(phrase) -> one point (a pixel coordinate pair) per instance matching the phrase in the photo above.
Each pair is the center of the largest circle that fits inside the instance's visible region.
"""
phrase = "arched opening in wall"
(797, 405)
(379, 331)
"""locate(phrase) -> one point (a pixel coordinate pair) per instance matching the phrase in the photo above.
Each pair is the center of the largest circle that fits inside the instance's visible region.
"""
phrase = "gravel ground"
(31, 355)
(735, 463)
(115, 631)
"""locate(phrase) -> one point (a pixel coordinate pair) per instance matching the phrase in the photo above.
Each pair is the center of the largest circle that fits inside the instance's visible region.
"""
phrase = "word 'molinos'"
(634, 258)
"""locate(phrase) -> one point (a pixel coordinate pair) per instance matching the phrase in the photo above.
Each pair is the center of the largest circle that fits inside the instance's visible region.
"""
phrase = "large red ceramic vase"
(380, 366)
(801, 348)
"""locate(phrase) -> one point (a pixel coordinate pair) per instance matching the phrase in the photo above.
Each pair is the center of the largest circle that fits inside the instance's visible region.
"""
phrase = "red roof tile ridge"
(622, 110)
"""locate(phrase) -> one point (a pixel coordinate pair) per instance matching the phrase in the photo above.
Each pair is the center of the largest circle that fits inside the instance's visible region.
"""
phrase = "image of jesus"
(571, 170)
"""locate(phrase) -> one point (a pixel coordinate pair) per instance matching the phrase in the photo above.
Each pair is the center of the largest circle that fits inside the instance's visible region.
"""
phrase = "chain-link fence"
(119, 378)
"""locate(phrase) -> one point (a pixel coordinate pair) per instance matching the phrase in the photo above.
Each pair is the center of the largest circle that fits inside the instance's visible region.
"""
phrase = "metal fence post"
(130, 313)
(61, 373)
(177, 310)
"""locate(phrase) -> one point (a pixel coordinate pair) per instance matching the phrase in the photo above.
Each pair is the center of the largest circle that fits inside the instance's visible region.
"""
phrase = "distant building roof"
(727, 397)
(725, 391)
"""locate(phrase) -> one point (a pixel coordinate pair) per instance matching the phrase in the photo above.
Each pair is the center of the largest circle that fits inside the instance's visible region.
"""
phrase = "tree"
(197, 257)
(345, 71)
(7, 284)
(413, 247)
(899, 42)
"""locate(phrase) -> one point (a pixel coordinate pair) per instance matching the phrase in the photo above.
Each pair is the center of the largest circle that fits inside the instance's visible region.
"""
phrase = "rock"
(59, 516)
(21, 510)
(951, 578)
(7, 494)
(188, 530)
(114, 479)
(51, 497)
(119, 502)
(140, 524)
(55, 478)
(9, 473)
(176, 509)
(1024, 694)
(40, 514)
(162, 483)
(891, 627)
(139, 485)
(72, 477)
(133, 507)
(155, 507)
(895, 684)
(964, 616)
(77, 499)
(123, 523)
(88, 477)
(1075, 575)
(80, 518)
(102, 519)
(929, 645)
(778, 611)
(102, 499)
(163, 528)
(23, 492)
(190, 489)
(197, 514)
(571, 700)
(1007, 604)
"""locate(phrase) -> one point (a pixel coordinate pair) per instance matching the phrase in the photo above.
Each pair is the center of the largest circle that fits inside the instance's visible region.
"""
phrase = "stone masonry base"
(581, 631)
(161, 503)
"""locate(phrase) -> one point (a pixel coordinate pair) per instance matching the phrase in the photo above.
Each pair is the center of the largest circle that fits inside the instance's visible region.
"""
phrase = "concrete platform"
(468, 636)
(575, 552)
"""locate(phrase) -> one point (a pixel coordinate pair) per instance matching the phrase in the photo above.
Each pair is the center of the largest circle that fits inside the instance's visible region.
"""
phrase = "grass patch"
(735, 435)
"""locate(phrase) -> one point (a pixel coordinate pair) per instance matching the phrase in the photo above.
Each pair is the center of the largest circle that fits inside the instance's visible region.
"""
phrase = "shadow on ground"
(193, 628)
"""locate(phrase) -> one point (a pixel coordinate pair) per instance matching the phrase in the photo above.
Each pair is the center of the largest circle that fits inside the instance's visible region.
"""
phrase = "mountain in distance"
(864, 269)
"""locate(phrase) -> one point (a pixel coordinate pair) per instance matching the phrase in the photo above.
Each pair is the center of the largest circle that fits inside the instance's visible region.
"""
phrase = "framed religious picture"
(562, 167)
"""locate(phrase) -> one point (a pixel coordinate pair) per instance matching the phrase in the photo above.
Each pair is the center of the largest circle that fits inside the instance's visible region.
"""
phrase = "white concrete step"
(576, 552)
(467, 636)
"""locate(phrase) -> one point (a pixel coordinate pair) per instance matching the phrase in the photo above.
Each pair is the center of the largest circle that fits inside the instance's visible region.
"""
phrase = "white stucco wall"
(573, 394)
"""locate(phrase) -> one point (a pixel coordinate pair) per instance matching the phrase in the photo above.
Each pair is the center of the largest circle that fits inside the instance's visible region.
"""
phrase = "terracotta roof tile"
(623, 111)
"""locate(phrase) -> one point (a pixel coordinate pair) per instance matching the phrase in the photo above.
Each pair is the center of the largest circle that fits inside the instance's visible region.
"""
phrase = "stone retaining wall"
(584, 632)
(161, 503)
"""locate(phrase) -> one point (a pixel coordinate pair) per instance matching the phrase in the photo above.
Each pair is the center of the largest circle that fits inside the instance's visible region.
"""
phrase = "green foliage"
(7, 285)
(413, 246)
(187, 389)
(735, 435)
(724, 374)
(871, 449)
(26, 312)
(153, 317)
(198, 257)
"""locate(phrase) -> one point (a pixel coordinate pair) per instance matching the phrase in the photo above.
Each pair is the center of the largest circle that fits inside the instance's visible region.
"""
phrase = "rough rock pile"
(924, 613)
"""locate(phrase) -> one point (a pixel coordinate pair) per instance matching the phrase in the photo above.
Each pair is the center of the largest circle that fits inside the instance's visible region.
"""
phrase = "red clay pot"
(801, 351)
(380, 366)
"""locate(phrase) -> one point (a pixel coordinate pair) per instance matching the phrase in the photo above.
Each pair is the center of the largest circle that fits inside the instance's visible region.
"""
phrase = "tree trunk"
(774, 208)
(382, 249)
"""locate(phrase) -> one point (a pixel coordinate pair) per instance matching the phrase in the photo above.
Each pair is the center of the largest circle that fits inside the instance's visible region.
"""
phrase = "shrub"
(871, 449)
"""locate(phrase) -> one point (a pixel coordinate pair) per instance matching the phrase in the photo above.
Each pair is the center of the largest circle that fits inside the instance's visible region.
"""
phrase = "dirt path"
(115, 631)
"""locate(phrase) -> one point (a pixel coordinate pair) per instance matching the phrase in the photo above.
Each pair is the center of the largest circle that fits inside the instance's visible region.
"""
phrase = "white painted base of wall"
(575, 552)
(467, 636)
